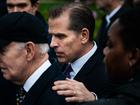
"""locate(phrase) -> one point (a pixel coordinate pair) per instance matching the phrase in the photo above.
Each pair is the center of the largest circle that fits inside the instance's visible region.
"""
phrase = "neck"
(33, 65)
(86, 49)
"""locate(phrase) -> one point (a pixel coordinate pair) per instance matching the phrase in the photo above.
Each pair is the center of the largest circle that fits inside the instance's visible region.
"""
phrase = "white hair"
(43, 48)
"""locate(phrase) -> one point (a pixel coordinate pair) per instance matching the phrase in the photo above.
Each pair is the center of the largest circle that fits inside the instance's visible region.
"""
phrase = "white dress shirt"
(109, 16)
(78, 64)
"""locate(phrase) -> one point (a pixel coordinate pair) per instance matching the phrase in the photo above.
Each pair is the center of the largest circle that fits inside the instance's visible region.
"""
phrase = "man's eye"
(21, 5)
(61, 37)
(16, 5)
(10, 6)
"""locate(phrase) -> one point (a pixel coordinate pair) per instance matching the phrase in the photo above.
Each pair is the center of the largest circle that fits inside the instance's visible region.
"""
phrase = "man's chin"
(7, 77)
(61, 60)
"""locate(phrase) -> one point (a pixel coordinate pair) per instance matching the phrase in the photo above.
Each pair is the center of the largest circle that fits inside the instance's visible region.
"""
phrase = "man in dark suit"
(72, 31)
(112, 9)
(24, 59)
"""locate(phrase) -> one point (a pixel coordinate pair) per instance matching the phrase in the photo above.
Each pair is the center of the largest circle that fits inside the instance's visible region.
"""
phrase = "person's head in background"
(23, 46)
(72, 27)
(108, 5)
(30, 6)
(122, 53)
(136, 3)
(132, 3)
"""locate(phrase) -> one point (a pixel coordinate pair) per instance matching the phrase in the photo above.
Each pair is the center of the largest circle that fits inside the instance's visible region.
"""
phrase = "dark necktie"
(101, 37)
(20, 95)
(67, 71)
(102, 29)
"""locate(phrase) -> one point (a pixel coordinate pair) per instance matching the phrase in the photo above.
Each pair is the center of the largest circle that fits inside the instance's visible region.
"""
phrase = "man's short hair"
(80, 17)
(34, 1)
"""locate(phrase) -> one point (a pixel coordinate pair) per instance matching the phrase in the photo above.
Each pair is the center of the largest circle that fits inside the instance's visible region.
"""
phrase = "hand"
(73, 90)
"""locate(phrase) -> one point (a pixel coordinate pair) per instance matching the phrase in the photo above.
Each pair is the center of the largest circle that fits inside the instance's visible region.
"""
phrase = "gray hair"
(43, 48)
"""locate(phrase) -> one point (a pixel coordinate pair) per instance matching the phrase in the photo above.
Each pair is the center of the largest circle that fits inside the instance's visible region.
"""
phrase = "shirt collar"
(109, 16)
(35, 76)
(78, 64)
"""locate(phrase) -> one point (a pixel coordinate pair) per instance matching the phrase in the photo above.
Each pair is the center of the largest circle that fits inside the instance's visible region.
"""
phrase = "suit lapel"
(88, 66)
(41, 84)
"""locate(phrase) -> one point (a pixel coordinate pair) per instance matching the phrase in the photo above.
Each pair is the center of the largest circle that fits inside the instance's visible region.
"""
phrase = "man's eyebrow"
(56, 34)
(18, 4)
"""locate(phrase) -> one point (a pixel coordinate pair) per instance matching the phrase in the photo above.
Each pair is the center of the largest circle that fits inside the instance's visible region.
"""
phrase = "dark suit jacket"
(41, 92)
(102, 37)
(126, 94)
(93, 74)
(7, 92)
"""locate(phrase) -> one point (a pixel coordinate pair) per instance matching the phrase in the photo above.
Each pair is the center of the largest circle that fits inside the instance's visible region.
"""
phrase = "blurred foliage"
(45, 5)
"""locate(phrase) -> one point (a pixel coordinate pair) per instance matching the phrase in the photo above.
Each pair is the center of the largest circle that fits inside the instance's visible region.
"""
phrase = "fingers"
(66, 92)
(60, 82)
(62, 85)
(67, 81)
(73, 90)
(67, 84)
(64, 88)
(72, 99)
(75, 98)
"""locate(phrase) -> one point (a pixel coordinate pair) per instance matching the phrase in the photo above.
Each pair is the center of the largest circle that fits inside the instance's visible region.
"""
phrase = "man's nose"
(15, 9)
(53, 42)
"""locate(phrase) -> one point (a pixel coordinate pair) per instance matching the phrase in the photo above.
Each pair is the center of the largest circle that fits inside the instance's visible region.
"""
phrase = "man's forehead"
(18, 1)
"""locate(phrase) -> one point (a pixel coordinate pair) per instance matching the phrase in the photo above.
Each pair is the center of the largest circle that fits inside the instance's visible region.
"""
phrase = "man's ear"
(30, 49)
(134, 56)
(84, 35)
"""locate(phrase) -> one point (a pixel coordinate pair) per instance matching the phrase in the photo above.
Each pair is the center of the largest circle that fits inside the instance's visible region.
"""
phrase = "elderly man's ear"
(30, 50)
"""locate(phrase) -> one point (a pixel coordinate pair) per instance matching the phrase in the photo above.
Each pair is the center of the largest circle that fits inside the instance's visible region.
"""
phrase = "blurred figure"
(136, 3)
(30, 6)
(112, 9)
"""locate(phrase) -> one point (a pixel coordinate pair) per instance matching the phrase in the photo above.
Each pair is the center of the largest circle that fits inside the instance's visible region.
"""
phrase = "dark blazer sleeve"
(93, 74)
